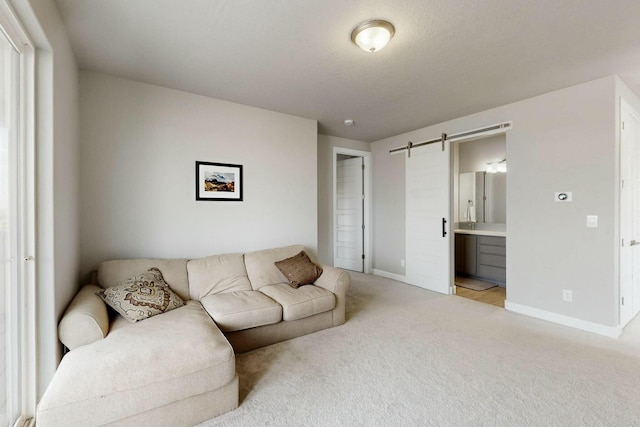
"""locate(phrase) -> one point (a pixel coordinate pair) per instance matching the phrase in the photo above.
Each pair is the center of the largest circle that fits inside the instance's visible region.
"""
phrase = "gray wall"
(325, 190)
(138, 151)
(560, 141)
(57, 170)
(388, 206)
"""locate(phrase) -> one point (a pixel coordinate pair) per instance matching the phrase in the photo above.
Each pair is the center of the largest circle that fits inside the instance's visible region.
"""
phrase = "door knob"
(634, 243)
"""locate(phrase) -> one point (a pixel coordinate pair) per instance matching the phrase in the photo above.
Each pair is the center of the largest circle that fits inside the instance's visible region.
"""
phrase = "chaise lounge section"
(178, 368)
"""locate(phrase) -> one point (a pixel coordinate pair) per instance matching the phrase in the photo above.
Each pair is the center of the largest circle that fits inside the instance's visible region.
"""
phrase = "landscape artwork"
(218, 181)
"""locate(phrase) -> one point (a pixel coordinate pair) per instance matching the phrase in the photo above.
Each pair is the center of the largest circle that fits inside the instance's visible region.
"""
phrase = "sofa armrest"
(336, 281)
(86, 319)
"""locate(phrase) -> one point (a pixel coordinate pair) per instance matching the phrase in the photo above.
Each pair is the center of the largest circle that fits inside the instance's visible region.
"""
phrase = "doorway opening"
(429, 207)
(351, 209)
(480, 217)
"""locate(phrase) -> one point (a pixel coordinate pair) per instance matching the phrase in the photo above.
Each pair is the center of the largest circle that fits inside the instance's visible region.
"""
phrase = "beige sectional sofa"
(178, 368)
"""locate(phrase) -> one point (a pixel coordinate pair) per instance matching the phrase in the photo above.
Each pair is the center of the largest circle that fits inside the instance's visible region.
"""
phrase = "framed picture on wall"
(219, 182)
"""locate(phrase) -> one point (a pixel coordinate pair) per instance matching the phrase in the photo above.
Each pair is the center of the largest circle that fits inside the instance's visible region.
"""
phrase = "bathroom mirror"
(482, 197)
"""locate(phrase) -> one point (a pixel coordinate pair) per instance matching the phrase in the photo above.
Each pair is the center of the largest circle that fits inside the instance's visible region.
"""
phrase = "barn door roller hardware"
(485, 131)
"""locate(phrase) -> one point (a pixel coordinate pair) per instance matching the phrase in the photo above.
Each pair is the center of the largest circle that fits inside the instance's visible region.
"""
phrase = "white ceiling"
(449, 58)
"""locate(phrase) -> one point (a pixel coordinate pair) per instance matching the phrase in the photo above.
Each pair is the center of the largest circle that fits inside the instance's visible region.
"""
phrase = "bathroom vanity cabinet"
(481, 257)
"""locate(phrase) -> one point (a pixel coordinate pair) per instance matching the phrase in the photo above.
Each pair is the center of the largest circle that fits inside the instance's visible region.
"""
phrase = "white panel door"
(630, 217)
(349, 234)
(427, 206)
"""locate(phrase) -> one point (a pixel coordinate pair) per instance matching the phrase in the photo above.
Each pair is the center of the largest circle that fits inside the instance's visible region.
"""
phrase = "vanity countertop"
(481, 232)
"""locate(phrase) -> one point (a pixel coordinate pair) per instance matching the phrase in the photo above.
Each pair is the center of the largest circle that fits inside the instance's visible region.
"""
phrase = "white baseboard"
(391, 276)
(572, 322)
(596, 328)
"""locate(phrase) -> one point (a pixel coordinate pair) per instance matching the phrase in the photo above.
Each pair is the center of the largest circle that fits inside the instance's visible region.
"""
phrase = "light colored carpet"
(474, 285)
(410, 357)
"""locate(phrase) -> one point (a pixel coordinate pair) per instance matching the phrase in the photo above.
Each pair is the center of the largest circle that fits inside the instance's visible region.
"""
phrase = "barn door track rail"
(485, 131)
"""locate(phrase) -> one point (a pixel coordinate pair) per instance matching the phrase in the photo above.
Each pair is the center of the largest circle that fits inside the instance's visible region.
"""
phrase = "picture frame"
(222, 182)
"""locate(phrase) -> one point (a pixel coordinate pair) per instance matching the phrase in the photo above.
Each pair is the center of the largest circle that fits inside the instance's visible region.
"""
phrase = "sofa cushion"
(111, 273)
(86, 319)
(302, 302)
(137, 368)
(235, 311)
(261, 267)
(215, 274)
(299, 270)
(142, 296)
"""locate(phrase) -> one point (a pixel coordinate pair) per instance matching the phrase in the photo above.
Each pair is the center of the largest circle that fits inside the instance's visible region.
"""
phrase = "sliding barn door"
(427, 218)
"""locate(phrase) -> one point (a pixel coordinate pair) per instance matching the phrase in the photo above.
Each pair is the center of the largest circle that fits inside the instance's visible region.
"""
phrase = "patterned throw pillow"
(299, 270)
(142, 296)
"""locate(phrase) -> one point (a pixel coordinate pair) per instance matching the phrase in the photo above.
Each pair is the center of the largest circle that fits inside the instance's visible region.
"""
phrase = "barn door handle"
(444, 227)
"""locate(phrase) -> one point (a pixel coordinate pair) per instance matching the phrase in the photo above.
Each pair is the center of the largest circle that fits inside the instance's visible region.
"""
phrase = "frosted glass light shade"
(371, 36)
(497, 167)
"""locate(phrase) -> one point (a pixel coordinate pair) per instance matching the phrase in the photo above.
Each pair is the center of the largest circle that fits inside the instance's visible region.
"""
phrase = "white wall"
(325, 190)
(560, 141)
(139, 145)
(57, 169)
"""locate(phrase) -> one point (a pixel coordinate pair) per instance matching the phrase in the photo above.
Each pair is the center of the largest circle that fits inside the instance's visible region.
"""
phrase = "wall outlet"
(567, 295)
(401, 263)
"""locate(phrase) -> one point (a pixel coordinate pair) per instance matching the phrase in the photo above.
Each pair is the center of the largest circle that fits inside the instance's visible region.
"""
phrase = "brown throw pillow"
(142, 296)
(299, 270)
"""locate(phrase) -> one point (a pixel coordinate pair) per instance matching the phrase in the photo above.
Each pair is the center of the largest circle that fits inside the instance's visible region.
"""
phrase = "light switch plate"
(592, 221)
(563, 196)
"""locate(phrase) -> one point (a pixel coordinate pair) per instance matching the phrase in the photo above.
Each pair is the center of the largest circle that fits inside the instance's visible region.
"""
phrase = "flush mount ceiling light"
(371, 36)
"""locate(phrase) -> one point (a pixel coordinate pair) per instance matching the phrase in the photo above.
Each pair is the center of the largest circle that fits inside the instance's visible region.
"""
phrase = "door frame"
(366, 215)
(624, 107)
(453, 183)
(22, 308)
